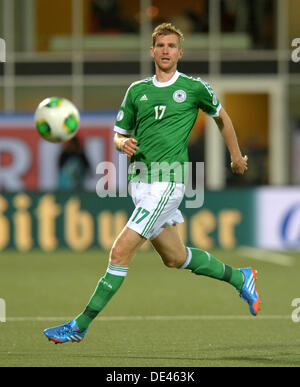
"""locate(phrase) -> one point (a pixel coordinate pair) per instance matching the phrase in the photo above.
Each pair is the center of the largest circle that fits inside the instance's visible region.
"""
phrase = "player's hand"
(239, 166)
(128, 146)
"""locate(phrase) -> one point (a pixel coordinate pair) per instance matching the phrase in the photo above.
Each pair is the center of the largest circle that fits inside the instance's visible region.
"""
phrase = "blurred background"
(89, 51)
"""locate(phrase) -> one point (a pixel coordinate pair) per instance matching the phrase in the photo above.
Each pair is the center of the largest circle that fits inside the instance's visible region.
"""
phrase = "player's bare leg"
(125, 247)
(123, 250)
(170, 247)
(121, 254)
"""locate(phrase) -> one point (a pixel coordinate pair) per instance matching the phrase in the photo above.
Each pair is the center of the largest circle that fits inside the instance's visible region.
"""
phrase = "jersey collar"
(168, 83)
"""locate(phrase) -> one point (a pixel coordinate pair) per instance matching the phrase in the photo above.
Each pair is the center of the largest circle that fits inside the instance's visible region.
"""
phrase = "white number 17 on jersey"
(159, 112)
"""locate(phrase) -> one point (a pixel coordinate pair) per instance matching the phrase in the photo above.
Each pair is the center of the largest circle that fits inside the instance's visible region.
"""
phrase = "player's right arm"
(125, 144)
(125, 124)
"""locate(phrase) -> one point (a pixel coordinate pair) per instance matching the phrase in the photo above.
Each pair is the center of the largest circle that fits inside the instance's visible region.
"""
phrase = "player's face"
(166, 52)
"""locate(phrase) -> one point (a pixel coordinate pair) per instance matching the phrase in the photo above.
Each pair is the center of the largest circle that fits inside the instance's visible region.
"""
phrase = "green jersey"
(160, 116)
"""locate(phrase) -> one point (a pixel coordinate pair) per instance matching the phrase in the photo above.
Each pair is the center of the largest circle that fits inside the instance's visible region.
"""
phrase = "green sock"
(202, 263)
(106, 288)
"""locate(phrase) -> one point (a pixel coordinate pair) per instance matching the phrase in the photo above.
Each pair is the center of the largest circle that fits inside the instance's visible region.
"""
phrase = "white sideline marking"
(155, 318)
(266, 256)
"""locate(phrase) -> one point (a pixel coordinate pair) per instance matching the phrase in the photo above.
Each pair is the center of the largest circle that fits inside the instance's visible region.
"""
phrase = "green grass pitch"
(160, 317)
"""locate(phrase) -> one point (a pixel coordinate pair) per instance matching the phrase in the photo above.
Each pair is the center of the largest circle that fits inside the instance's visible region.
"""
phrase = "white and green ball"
(57, 119)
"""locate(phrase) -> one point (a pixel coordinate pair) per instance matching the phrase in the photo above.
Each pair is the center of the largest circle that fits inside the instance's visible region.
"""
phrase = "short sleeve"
(208, 102)
(125, 120)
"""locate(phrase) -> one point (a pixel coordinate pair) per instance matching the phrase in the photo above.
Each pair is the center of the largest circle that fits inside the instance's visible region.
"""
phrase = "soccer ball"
(57, 119)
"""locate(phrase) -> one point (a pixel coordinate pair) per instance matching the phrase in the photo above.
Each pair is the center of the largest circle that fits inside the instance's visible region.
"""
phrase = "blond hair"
(167, 29)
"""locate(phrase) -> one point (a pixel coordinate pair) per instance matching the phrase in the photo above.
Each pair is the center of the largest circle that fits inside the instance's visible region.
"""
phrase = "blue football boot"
(65, 333)
(249, 291)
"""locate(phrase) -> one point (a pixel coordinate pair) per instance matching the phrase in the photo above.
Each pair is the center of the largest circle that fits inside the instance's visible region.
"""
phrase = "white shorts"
(156, 207)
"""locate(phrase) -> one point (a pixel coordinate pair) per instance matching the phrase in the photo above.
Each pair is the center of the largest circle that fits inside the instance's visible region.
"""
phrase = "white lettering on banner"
(41, 157)
(11, 175)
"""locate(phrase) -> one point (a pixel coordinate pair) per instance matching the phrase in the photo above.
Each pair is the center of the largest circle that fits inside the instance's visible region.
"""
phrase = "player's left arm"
(224, 123)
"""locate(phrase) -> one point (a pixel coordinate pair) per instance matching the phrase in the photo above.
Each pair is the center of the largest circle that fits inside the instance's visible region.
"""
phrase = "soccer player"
(153, 128)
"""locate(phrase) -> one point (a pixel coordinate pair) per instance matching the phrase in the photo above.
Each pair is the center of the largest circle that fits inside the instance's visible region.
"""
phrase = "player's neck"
(163, 76)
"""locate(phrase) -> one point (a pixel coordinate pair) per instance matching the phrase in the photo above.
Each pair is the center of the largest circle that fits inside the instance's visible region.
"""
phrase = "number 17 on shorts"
(156, 208)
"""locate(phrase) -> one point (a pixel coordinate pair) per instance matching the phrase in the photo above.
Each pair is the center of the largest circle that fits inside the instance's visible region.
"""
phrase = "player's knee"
(171, 263)
(117, 256)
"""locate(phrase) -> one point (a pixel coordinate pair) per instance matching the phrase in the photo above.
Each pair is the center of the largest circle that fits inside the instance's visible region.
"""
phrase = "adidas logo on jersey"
(144, 98)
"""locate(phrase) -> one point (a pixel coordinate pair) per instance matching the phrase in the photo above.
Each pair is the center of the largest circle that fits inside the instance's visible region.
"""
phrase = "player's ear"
(152, 52)
(180, 53)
